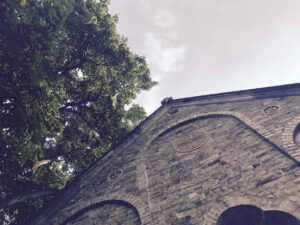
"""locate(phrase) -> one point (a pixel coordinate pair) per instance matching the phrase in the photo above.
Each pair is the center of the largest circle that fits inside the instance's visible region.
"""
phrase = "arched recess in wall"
(261, 131)
(252, 125)
(183, 122)
(113, 212)
(252, 215)
(290, 137)
(296, 135)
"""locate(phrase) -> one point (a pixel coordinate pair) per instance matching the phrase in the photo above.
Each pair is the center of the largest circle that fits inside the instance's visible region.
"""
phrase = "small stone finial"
(166, 100)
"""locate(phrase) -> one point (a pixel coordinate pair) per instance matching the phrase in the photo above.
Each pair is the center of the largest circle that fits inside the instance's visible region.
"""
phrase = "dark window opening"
(252, 215)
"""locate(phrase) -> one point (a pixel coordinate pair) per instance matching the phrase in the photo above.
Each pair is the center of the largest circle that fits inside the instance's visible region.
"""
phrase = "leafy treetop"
(66, 81)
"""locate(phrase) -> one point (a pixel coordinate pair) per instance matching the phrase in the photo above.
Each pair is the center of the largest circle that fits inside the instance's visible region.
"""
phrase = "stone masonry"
(204, 160)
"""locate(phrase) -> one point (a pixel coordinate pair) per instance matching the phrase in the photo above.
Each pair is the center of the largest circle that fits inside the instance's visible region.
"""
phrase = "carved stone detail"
(190, 142)
(271, 110)
(115, 174)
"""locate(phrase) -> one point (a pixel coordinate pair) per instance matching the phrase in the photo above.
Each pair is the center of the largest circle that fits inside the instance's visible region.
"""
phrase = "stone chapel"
(222, 159)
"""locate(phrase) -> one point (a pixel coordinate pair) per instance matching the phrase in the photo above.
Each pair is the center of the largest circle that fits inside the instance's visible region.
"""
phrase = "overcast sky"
(197, 47)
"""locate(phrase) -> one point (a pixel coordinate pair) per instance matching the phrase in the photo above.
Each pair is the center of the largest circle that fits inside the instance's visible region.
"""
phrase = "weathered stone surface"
(192, 160)
(104, 214)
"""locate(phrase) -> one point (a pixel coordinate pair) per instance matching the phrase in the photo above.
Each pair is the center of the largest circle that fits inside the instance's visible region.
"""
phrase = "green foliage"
(66, 77)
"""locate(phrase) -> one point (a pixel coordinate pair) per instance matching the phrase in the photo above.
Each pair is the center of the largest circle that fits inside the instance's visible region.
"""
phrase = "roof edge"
(255, 93)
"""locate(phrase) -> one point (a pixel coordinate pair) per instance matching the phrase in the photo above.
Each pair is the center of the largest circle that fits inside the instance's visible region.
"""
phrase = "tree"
(66, 82)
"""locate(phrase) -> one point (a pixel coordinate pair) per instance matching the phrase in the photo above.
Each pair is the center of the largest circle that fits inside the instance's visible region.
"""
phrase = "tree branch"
(67, 68)
(84, 120)
(41, 163)
(84, 100)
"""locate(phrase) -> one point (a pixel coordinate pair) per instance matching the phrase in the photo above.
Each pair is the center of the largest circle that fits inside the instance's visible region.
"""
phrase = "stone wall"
(190, 162)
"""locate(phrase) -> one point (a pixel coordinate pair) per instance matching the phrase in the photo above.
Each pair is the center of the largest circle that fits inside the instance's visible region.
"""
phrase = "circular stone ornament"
(172, 111)
(115, 174)
(190, 142)
(271, 110)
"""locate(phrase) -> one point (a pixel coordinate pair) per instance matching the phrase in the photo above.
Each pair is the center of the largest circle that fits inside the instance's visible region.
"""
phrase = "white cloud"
(164, 19)
(164, 56)
(172, 56)
(222, 45)
(144, 5)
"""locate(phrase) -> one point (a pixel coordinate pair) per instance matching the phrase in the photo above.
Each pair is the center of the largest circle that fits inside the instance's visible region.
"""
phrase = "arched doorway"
(252, 215)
